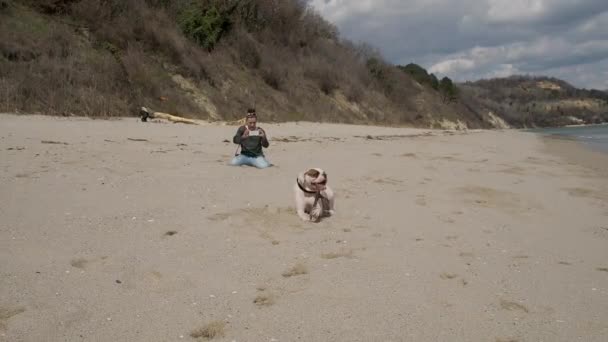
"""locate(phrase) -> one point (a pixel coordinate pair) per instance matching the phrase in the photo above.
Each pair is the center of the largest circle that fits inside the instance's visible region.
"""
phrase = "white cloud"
(529, 57)
(505, 11)
(503, 70)
(470, 39)
(453, 65)
(594, 27)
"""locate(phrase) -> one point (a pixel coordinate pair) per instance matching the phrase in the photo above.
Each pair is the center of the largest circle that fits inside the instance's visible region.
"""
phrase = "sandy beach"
(118, 230)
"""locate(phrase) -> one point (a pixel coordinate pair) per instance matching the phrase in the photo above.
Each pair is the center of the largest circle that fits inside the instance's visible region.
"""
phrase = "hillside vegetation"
(213, 59)
(524, 101)
(208, 59)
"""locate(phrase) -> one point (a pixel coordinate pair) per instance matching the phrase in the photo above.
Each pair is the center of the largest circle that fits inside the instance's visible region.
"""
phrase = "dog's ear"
(321, 173)
(313, 173)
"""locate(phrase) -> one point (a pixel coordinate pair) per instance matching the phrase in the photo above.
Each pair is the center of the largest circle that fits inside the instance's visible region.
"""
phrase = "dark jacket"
(250, 146)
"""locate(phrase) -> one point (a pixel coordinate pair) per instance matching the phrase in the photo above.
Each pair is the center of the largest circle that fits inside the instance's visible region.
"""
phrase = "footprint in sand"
(389, 181)
(219, 217)
(266, 236)
(497, 199)
(421, 200)
(601, 232)
(448, 276)
(79, 263)
(210, 331)
(344, 253)
(512, 306)
(264, 298)
(296, 270)
(586, 193)
(512, 169)
(602, 269)
(6, 314)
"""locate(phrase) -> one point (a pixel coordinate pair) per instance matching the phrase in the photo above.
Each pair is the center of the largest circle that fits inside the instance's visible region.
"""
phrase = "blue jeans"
(260, 162)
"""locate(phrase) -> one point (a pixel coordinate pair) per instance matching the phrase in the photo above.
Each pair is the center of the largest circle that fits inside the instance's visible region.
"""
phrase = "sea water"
(593, 136)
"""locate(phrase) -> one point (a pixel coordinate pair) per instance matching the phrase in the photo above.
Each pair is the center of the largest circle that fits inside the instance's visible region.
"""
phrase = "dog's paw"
(307, 218)
(331, 212)
(314, 218)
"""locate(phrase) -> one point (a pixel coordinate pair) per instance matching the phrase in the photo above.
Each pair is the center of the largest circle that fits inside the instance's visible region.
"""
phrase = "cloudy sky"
(472, 39)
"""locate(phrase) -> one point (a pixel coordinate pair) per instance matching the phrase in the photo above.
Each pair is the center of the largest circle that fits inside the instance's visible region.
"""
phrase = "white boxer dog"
(314, 199)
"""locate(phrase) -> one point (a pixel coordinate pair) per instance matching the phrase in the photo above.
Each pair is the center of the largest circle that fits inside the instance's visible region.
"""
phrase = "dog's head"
(314, 179)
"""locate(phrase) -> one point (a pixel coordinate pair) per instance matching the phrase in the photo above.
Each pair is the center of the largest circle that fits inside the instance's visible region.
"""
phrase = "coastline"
(575, 152)
(587, 125)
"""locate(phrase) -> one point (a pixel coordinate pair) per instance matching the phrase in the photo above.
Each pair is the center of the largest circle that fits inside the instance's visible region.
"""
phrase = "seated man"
(251, 139)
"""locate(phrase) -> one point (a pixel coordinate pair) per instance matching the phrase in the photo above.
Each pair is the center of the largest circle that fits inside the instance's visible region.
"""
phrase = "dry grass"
(209, 331)
(297, 269)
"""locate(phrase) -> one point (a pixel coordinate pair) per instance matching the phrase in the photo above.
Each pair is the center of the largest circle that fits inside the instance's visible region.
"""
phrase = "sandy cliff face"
(81, 58)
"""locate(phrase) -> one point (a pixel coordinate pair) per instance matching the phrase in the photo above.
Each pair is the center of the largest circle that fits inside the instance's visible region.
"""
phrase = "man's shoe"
(144, 113)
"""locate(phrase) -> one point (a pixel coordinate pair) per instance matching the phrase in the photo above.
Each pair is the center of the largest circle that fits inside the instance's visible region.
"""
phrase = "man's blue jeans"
(260, 162)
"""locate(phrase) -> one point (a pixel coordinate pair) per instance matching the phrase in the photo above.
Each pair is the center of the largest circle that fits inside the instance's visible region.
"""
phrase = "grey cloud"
(469, 39)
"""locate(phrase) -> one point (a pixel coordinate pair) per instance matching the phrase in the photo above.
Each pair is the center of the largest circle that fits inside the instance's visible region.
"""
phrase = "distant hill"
(209, 59)
(525, 101)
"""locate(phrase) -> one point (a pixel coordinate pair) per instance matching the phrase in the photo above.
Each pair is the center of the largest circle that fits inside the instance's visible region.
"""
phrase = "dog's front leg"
(330, 196)
(303, 215)
(332, 211)
(300, 208)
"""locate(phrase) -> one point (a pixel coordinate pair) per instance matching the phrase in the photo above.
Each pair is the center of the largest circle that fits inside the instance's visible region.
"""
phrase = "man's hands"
(246, 133)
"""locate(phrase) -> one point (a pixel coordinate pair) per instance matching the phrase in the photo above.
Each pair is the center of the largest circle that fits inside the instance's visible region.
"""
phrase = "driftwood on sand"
(145, 114)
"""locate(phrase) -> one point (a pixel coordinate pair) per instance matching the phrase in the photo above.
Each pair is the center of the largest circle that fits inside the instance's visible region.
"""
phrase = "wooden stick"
(173, 118)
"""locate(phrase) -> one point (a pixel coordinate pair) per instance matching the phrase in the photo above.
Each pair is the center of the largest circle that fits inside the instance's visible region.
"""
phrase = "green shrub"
(203, 25)
(420, 75)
